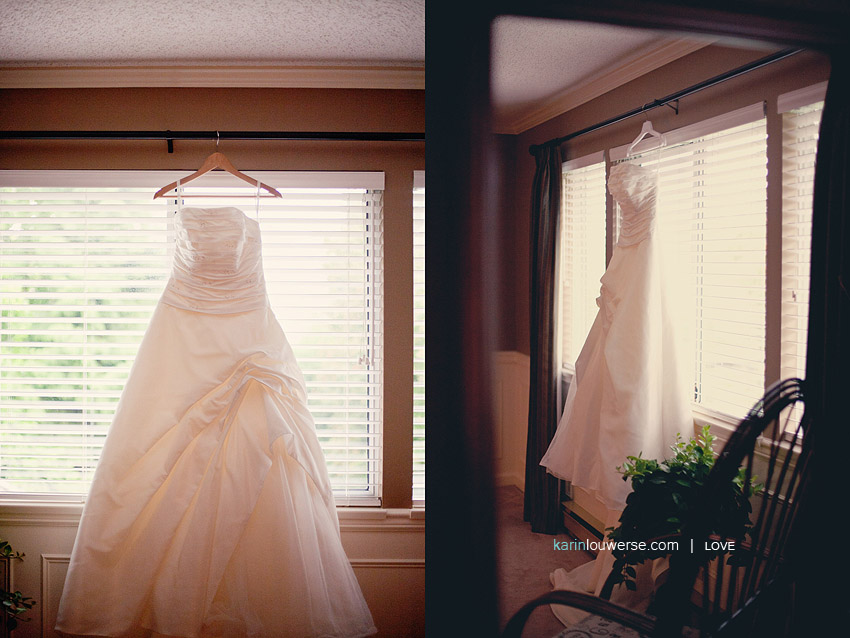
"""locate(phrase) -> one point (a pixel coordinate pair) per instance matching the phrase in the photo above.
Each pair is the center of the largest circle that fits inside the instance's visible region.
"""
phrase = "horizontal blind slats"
(800, 129)
(582, 254)
(712, 200)
(81, 270)
(419, 345)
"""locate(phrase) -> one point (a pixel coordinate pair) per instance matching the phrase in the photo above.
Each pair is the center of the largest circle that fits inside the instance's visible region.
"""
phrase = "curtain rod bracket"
(675, 108)
(170, 142)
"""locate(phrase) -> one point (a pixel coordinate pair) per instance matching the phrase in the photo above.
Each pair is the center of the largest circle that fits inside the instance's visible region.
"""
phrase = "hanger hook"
(216, 140)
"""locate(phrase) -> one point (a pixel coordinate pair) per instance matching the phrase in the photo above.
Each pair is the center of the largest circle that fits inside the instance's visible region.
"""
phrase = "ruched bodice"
(217, 265)
(633, 187)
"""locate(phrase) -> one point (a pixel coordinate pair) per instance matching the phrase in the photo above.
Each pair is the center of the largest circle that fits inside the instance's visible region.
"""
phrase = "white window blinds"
(419, 337)
(799, 145)
(81, 269)
(712, 188)
(83, 259)
(582, 250)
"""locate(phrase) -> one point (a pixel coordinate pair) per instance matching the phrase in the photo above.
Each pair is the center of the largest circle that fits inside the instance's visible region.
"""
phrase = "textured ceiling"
(145, 32)
(534, 59)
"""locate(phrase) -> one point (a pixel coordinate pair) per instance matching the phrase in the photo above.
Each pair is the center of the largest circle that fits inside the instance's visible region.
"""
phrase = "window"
(716, 218)
(419, 337)
(582, 250)
(800, 125)
(801, 114)
(712, 208)
(84, 256)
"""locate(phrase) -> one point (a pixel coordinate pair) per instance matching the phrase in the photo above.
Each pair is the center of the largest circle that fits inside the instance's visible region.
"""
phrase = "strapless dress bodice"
(634, 188)
(217, 264)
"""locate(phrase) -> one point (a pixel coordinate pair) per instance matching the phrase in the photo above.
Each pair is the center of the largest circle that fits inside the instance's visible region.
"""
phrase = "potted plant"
(663, 495)
(14, 604)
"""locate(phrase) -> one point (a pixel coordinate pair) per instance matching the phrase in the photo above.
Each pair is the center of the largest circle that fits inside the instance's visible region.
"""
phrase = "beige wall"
(237, 109)
(386, 547)
(764, 84)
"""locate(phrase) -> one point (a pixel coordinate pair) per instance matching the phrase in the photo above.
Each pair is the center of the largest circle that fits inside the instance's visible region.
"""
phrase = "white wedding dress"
(211, 511)
(631, 392)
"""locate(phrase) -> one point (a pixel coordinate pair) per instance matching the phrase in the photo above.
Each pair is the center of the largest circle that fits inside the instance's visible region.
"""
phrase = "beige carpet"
(525, 560)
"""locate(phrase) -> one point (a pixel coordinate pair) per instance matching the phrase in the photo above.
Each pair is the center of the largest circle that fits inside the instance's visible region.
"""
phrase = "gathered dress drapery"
(211, 511)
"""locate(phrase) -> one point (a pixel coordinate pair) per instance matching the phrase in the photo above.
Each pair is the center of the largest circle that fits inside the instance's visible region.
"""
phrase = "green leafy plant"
(14, 604)
(664, 493)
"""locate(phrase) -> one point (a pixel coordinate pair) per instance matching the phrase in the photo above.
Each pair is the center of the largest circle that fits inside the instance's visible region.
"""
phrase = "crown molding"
(314, 77)
(642, 62)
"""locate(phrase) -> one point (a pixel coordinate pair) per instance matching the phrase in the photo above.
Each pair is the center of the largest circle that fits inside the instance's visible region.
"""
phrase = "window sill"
(380, 514)
(723, 426)
(67, 513)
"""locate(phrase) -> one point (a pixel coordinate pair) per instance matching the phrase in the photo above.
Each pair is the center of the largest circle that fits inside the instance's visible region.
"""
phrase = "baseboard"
(575, 510)
(580, 529)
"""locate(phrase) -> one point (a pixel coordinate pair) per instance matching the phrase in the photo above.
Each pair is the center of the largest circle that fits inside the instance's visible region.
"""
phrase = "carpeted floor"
(525, 560)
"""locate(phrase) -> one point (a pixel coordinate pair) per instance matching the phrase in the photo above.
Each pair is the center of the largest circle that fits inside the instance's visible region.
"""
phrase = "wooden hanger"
(217, 160)
(645, 130)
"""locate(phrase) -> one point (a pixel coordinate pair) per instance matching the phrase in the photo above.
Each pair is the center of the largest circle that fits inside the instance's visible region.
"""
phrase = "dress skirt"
(211, 511)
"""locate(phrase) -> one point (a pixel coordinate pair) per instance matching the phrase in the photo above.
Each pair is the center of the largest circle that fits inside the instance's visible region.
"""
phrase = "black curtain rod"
(361, 136)
(673, 97)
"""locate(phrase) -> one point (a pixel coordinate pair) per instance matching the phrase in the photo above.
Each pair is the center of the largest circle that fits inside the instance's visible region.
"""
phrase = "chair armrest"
(593, 604)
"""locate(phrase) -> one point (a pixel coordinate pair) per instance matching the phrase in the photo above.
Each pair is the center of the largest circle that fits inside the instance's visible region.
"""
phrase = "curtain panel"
(541, 488)
(828, 349)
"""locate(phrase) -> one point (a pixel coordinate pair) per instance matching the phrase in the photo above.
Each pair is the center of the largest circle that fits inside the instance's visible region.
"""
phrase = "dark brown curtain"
(542, 489)
(828, 352)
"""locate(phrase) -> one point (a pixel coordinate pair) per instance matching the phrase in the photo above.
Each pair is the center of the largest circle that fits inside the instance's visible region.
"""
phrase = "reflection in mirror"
(733, 220)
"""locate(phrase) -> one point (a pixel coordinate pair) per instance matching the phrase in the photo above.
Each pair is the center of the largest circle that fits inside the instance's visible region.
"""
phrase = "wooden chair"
(746, 592)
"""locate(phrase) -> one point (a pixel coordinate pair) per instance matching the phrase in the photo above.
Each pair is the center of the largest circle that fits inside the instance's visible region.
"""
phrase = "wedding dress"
(211, 511)
(630, 394)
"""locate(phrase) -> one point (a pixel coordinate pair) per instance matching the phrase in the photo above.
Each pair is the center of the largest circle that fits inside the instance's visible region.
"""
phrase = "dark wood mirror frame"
(462, 259)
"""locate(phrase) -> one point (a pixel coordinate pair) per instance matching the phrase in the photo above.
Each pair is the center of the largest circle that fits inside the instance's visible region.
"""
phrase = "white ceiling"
(542, 68)
(534, 56)
(212, 32)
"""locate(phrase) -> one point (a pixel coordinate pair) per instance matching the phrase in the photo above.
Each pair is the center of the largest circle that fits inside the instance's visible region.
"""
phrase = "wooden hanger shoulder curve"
(212, 162)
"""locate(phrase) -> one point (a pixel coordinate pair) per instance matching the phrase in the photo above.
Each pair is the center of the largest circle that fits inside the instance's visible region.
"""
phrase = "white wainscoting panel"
(54, 568)
(511, 371)
(386, 547)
